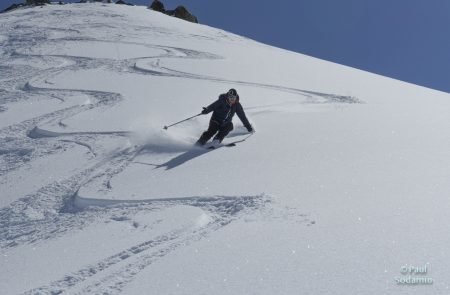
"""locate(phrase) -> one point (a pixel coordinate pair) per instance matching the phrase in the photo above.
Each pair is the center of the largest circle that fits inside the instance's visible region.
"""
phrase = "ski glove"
(205, 111)
(250, 129)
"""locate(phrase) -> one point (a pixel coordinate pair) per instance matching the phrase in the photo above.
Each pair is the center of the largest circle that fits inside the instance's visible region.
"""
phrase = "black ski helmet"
(232, 93)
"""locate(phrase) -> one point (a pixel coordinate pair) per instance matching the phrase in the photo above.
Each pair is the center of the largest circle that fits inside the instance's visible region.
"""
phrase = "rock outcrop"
(179, 12)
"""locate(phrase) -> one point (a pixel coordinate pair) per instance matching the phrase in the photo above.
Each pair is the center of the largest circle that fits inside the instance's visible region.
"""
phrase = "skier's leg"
(212, 129)
(223, 131)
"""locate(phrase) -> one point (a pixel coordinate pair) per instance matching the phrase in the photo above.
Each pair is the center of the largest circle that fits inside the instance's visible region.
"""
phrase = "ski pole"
(166, 127)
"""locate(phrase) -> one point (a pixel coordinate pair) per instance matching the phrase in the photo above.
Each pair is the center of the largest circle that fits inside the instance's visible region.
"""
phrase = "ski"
(231, 144)
(212, 147)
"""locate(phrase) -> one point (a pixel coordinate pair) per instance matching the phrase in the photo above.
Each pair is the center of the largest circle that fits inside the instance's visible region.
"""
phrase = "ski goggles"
(231, 97)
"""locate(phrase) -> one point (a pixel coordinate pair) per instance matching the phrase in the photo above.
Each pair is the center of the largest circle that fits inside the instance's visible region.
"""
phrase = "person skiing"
(221, 120)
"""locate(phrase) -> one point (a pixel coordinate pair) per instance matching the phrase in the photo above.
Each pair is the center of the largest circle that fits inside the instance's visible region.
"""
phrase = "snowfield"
(343, 189)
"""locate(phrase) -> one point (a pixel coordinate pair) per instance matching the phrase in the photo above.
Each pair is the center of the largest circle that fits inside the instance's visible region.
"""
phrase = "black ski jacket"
(223, 113)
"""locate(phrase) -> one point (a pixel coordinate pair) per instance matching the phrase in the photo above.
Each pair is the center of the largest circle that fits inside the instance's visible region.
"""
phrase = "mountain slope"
(343, 184)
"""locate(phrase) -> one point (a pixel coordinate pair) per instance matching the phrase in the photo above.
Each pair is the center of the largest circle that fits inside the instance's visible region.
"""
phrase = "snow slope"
(344, 183)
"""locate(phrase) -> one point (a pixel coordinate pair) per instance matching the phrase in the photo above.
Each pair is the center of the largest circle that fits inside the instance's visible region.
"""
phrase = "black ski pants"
(214, 127)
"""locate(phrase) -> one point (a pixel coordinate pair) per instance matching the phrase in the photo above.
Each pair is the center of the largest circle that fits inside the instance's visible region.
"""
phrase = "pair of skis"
(231, 144)
(213, 147)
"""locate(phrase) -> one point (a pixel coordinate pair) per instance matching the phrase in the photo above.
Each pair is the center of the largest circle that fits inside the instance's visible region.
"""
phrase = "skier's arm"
(241, 114)
(211, 107)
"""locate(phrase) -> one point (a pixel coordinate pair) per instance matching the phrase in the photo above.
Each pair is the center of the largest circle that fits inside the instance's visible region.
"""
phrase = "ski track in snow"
(133, 259)
(49, 212)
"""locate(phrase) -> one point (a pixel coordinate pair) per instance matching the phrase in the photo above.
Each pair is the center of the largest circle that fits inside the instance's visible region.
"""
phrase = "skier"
(223, 111)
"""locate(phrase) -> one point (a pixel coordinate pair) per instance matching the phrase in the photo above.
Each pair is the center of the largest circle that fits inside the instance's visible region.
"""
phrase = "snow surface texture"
(344, 183)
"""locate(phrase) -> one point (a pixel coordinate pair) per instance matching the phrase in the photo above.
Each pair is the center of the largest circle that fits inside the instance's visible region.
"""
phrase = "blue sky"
(404, 39)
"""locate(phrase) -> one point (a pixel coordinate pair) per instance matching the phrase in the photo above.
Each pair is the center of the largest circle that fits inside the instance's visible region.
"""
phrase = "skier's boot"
(200, 142)
(216, 142)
